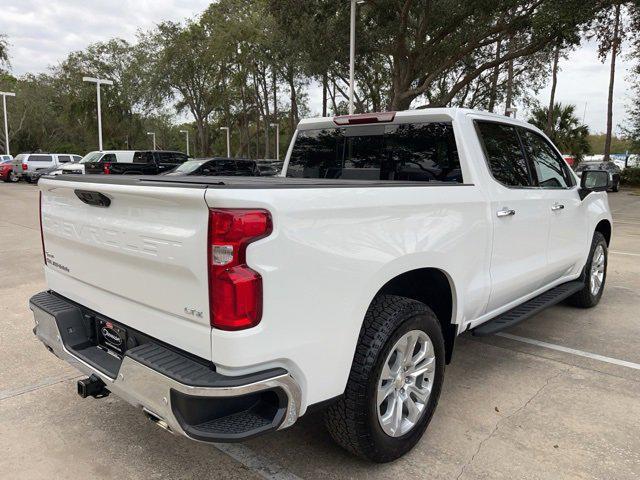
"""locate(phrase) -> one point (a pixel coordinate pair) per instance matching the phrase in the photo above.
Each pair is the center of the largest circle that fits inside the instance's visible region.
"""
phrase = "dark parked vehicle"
(218, 167)
(612, 168)
(145, 162)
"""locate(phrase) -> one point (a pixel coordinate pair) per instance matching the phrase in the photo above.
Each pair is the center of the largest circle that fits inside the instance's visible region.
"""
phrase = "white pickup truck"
(227, 307)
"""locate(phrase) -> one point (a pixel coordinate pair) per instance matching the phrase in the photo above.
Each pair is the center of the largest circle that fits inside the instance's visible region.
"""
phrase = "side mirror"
(594, 181)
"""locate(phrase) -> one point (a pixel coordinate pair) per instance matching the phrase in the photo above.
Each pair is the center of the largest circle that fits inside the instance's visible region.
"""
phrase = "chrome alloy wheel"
(597, 270)
(405, 383)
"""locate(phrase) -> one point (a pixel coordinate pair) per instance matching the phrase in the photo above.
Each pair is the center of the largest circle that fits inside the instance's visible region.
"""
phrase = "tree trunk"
(615, 45)
(293, 114)
(509, 97)
(324, 94)
(554, 84)
(494, 81)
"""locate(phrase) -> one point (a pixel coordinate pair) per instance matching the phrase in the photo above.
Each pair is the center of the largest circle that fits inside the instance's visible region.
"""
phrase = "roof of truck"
(407, 116)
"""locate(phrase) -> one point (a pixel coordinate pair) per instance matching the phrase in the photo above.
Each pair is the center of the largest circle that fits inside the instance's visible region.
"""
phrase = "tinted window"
(76, 158)
(549, 166)
(410, 152)
(143, 157)
(64, 158)
(504, 154)
(39, 158)
(109, 158)
(246, 168)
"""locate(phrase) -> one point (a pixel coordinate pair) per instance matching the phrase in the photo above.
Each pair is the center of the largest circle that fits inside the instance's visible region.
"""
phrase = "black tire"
(352, 420)
(585, 298)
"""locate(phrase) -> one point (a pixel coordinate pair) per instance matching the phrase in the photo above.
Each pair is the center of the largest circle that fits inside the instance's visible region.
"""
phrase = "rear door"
(568, 221)
(141, 261)
(39, 162)
(520, 217)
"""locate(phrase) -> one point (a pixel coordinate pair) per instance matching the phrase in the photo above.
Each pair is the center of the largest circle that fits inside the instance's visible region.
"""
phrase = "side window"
(143, 157)
(549, 166)
(504, 154)
(108, 158)
(64, 158)
(76, 158)
(40, 158)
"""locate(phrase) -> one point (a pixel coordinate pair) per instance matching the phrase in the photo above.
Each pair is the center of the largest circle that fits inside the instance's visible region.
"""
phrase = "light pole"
(98, 82)
(6, 120)
(228, 141)
(277, 127)
(153, 134)
(511, 110)
(186, 132)
(352, 53)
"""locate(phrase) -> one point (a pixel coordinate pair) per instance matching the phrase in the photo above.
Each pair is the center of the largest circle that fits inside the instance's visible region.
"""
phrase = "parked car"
(6, 169)
(613, 170)
(217, 166)
(97, 161)
(27, 166)
(138, 162)
(226, 308)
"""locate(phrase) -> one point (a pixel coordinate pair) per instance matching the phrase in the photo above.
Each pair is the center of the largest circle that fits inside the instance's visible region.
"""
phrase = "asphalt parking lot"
(558, 397)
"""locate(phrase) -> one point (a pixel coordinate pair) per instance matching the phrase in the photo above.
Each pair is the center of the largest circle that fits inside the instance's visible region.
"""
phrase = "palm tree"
(569, 135)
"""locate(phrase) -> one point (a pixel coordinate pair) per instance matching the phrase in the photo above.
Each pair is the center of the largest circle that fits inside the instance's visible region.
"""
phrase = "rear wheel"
(13, 178)
(395, 381)
(594, 274)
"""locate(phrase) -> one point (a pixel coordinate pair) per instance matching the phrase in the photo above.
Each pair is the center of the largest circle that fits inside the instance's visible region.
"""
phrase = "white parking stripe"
(625, 253)
(579, 353)
(254, 462)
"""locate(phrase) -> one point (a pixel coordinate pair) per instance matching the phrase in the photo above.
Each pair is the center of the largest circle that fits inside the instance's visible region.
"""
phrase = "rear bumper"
(179, 393)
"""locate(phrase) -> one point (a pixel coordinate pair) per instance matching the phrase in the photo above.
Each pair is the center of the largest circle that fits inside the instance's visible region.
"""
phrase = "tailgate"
(141, 261)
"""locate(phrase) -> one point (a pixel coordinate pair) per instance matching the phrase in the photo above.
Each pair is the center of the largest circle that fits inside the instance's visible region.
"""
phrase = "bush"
(631, 176)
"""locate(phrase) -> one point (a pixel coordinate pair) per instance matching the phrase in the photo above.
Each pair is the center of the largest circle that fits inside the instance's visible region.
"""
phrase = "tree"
(569, 135)
(4, 52)
(609, 29)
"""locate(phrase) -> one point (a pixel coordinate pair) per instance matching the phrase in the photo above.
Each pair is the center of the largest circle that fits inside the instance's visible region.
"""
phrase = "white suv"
(27, 165)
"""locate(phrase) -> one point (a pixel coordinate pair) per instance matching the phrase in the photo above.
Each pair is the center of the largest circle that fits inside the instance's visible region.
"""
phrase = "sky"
(43, 32)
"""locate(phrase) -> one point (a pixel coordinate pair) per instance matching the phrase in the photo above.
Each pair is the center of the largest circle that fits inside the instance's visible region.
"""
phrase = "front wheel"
(594, 274)
(394, 383)
(13, 178)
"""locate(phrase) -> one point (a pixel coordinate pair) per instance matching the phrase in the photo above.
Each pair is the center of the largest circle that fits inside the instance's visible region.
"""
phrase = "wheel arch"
(604, 227)
(434, 288)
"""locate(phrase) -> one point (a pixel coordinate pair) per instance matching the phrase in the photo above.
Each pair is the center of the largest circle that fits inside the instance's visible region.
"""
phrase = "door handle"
(505, 212)
(557, 206)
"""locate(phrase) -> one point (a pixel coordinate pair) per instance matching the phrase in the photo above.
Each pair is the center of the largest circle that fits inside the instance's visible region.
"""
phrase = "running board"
(528, 309)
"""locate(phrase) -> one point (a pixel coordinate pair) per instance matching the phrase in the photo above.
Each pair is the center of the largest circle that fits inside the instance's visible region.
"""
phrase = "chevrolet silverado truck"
(227, 307)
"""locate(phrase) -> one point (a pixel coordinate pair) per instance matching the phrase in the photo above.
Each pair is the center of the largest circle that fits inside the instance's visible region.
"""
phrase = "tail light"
(106, 169)
(235, 290)
(25, 166)
(44, 254)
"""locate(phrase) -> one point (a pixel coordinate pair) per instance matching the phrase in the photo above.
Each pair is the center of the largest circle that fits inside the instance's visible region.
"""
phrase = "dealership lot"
(516, 406)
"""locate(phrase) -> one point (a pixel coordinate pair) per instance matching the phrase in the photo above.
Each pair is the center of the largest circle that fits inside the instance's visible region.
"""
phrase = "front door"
(568, 237)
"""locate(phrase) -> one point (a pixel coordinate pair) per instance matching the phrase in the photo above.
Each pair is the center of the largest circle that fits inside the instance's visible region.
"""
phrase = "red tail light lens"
(44, 254)
(24, 166)
(107, 168)
(235, 290)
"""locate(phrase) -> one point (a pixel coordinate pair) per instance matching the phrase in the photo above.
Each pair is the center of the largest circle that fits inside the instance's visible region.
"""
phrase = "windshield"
(91, 157)
(420, 152)
(189, 166)
(21, 157)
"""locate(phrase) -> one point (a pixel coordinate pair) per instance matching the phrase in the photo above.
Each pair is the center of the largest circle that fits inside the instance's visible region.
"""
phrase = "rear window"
(39, 158)
(504, 154)
(64, 158)
(421, 152)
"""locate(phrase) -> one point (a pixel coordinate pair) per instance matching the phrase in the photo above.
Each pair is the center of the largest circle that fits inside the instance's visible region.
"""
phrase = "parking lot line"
(625, 253)
(580, 353)
(254, 462)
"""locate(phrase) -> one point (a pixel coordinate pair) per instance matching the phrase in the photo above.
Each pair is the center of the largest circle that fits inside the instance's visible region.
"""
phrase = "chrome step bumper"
(188, 398)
